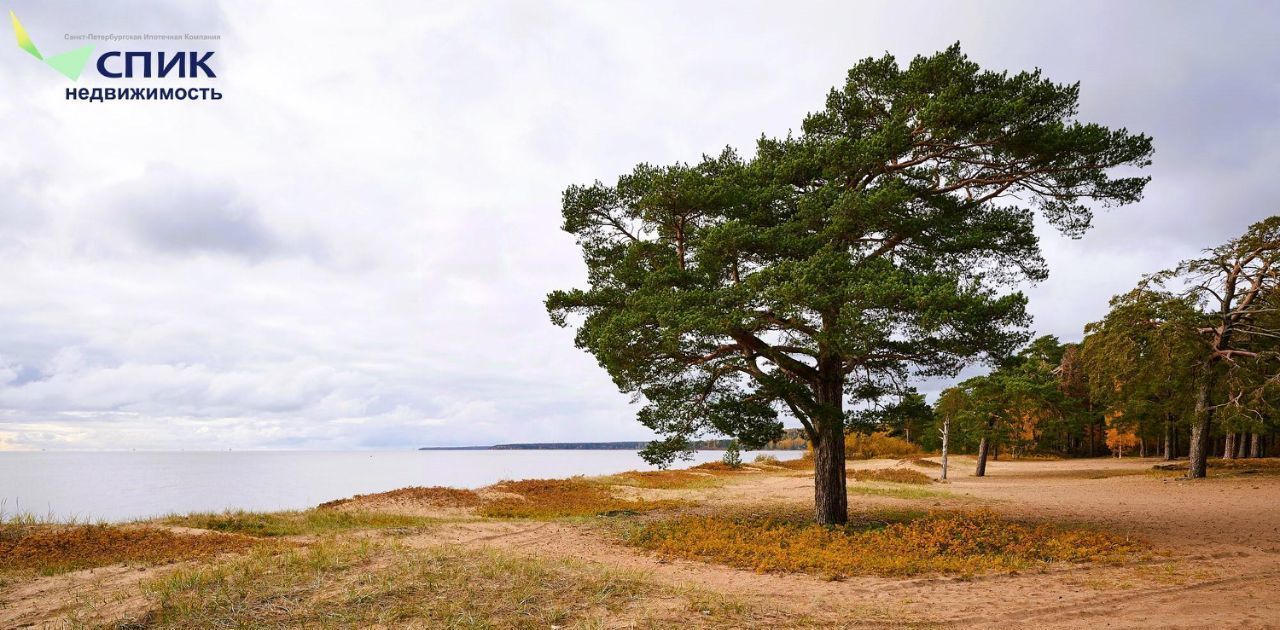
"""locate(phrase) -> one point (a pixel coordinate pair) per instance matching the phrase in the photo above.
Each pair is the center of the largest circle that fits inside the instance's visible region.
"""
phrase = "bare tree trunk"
(981, 470)
(1229, 446)
(1200, 426)
(946, 435)
(1242, 445)
(831, 500)
(1169, 437)
(1255, 446)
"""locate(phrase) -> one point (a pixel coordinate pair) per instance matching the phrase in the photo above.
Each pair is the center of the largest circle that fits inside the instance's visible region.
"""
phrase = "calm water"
(121, 486)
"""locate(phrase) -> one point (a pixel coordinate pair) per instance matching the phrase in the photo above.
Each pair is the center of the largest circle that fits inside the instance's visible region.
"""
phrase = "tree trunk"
(946, 434)
(981, 471)
(1229, 446)
(831, 501)
(1255, 445)
(1200, 437)
(1170, 435)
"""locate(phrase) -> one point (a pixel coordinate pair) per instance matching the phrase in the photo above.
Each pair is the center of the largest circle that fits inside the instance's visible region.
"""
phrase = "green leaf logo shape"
(69, 64)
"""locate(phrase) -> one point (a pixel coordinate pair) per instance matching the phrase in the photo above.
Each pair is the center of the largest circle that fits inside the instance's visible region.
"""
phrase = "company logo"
(69, 64)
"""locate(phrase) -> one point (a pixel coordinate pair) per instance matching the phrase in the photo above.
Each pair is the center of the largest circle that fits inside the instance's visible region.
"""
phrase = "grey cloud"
(171, 213)
(202, 221)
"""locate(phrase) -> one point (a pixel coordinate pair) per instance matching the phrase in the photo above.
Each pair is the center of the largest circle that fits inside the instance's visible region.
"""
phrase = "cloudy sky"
(350, 250)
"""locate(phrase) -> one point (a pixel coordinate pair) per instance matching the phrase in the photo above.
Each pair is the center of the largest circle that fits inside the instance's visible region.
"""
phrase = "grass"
(429, 496)
(562, 498)
(959, 543)
(893, 475)
(662, 479)
(900, 491)
(923, 463)
(297, 523)
(718, 467)
(47, 549)
(368, 584)
(804, 462)
(1230, 467)
(350, 584)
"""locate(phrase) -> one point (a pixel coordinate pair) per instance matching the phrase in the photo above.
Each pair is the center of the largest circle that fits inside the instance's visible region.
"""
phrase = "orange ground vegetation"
(877, 445)
(434, 496)
(662, 479)
(559, 498)
(922, 462)
(718, 467)
(52, 549)
(895, 475)
(963, 543)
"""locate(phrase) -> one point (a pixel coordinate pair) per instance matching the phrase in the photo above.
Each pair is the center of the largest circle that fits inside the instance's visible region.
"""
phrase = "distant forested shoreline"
(792, 440)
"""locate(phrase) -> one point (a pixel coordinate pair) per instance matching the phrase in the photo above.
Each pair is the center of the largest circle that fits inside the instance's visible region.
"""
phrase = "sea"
(124, 486)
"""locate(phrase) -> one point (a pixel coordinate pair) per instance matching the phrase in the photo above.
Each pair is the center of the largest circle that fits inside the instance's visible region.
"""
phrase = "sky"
(350, 250)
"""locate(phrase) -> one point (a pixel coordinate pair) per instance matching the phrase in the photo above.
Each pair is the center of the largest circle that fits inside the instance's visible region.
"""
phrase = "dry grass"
(1229, 467)
(876, 446)
(359, 584)
(308, 522)
(53, 549)
(922, 462)
(963, 543)
(661, 479)
(362, 584)
(561, 498)
(804, 462)
(893, 475)
(432, 496)
(719, 467)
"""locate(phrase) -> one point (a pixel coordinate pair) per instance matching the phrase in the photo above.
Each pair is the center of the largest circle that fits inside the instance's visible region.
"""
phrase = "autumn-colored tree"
(1140, 362)
(1120, 435)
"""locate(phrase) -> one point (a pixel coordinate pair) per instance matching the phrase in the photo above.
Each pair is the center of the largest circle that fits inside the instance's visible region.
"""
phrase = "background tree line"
(1184, 364)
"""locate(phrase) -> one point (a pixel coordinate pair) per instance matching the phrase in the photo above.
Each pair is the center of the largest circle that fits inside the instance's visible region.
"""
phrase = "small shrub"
(767, 460)
(52, 549)
(732, 455)
(894, 475)
(560, 498)
(945, 542)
